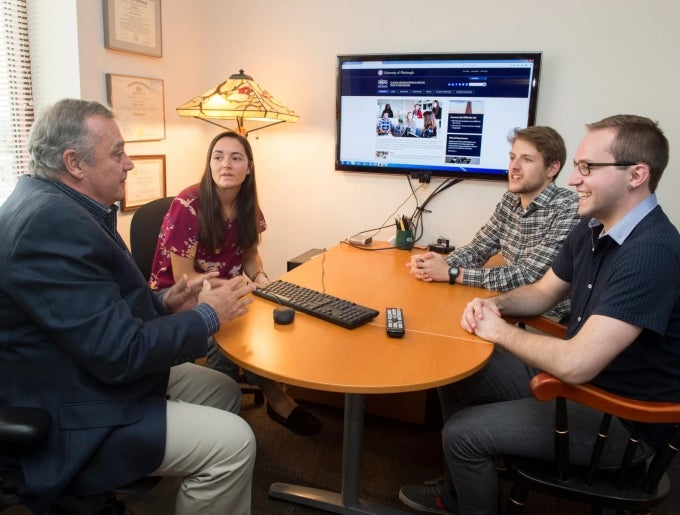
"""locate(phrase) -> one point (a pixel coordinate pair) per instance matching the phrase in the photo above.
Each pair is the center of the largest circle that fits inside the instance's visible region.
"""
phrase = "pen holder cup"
(404, 240)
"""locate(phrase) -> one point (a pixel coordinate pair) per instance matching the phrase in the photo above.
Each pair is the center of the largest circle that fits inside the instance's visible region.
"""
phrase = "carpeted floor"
(394, 453)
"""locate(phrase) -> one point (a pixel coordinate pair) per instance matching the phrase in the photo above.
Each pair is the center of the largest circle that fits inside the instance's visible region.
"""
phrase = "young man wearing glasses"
(621, 267)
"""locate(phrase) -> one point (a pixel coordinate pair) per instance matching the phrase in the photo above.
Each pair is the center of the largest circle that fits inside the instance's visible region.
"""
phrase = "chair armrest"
(542, 324)
(546, 388)
(23, 425)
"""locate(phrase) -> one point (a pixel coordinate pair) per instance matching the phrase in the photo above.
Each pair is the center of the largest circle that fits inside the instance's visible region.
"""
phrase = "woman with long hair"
(215, 225)
(429, 125)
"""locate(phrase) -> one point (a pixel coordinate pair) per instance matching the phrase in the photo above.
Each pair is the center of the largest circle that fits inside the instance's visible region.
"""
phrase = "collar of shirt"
(542, 199)
(625, 226)
(104, 215)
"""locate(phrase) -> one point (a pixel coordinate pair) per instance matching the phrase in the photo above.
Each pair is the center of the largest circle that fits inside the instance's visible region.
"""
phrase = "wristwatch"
(453, 273)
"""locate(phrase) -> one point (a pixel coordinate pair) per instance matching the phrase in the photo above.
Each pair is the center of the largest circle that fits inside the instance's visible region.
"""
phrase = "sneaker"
(431, 497)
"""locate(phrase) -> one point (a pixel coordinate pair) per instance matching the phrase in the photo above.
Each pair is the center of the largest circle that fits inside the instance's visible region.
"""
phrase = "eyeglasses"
(585, 168)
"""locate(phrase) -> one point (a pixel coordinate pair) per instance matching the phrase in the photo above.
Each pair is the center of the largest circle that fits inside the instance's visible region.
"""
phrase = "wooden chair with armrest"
(144, 229)
(634, 487)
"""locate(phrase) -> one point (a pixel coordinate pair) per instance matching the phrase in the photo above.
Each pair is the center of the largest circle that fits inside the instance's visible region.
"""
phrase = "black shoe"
(300, 421)
(431, 497)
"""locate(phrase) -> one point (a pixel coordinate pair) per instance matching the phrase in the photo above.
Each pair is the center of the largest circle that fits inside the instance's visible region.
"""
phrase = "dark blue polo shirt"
(636, 280)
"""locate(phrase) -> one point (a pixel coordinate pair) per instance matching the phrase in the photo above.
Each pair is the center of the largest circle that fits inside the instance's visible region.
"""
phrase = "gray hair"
(59, 128)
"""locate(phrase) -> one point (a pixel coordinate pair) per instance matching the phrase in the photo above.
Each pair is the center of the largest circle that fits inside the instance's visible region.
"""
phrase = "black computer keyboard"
(321, 305)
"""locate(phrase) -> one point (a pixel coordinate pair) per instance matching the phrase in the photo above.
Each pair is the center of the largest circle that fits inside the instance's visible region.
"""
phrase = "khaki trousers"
(209, 450)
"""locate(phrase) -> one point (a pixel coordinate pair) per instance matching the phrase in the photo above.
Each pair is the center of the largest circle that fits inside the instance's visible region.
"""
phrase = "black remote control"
(395, 322)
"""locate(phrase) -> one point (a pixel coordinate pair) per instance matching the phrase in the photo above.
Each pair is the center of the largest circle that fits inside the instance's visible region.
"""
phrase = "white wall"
(54, 50)
(599, 58)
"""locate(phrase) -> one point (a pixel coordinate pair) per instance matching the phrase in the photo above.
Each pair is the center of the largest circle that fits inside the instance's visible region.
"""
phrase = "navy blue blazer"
(82, 336)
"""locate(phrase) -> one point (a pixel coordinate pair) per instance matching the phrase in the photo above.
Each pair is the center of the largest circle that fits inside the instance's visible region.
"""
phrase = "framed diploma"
(133, 26)
(139, 106)
(145, 182)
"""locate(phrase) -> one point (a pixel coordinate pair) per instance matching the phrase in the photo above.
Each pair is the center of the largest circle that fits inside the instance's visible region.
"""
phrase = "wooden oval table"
(316, 354)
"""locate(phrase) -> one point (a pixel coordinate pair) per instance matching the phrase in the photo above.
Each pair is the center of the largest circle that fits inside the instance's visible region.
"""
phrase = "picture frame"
(145, 182)
(133, 26)
(139, 106)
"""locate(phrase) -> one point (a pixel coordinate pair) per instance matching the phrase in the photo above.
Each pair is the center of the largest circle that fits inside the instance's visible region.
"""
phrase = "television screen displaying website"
(446, 114)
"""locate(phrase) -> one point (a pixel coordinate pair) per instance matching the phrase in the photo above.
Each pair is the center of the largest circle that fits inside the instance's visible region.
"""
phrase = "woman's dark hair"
(430, 121)
(211, 226)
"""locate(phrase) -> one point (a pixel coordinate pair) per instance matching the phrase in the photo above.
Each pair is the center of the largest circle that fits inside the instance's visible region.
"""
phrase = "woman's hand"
(261, 278)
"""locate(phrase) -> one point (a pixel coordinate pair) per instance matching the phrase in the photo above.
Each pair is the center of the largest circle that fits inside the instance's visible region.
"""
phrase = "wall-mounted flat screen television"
(445, 115)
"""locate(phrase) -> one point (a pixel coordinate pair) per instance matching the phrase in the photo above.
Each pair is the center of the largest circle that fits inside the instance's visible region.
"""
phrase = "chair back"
(633, 485)
(144, 228)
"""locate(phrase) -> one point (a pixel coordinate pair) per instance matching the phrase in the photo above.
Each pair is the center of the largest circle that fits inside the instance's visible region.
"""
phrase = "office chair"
(634, 487)
(144, 229)
(23, 429)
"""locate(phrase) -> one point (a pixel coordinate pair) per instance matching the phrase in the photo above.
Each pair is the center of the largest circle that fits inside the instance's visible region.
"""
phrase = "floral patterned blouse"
(179, 234)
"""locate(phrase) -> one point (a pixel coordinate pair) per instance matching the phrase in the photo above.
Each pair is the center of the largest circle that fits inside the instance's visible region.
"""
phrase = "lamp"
(238, 98)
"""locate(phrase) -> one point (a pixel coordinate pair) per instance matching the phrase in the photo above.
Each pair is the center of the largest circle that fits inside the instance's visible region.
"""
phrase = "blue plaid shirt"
(384, 124)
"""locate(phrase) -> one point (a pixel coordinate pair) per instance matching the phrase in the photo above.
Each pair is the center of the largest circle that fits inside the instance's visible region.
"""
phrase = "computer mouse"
(283, 315)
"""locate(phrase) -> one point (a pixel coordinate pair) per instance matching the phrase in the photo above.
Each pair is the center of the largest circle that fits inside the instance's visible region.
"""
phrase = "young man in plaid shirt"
(527, 228)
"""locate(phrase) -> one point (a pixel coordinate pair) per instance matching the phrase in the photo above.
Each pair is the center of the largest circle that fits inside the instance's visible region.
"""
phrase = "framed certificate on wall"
(139, 106)
(145, 182)
(133, 26)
